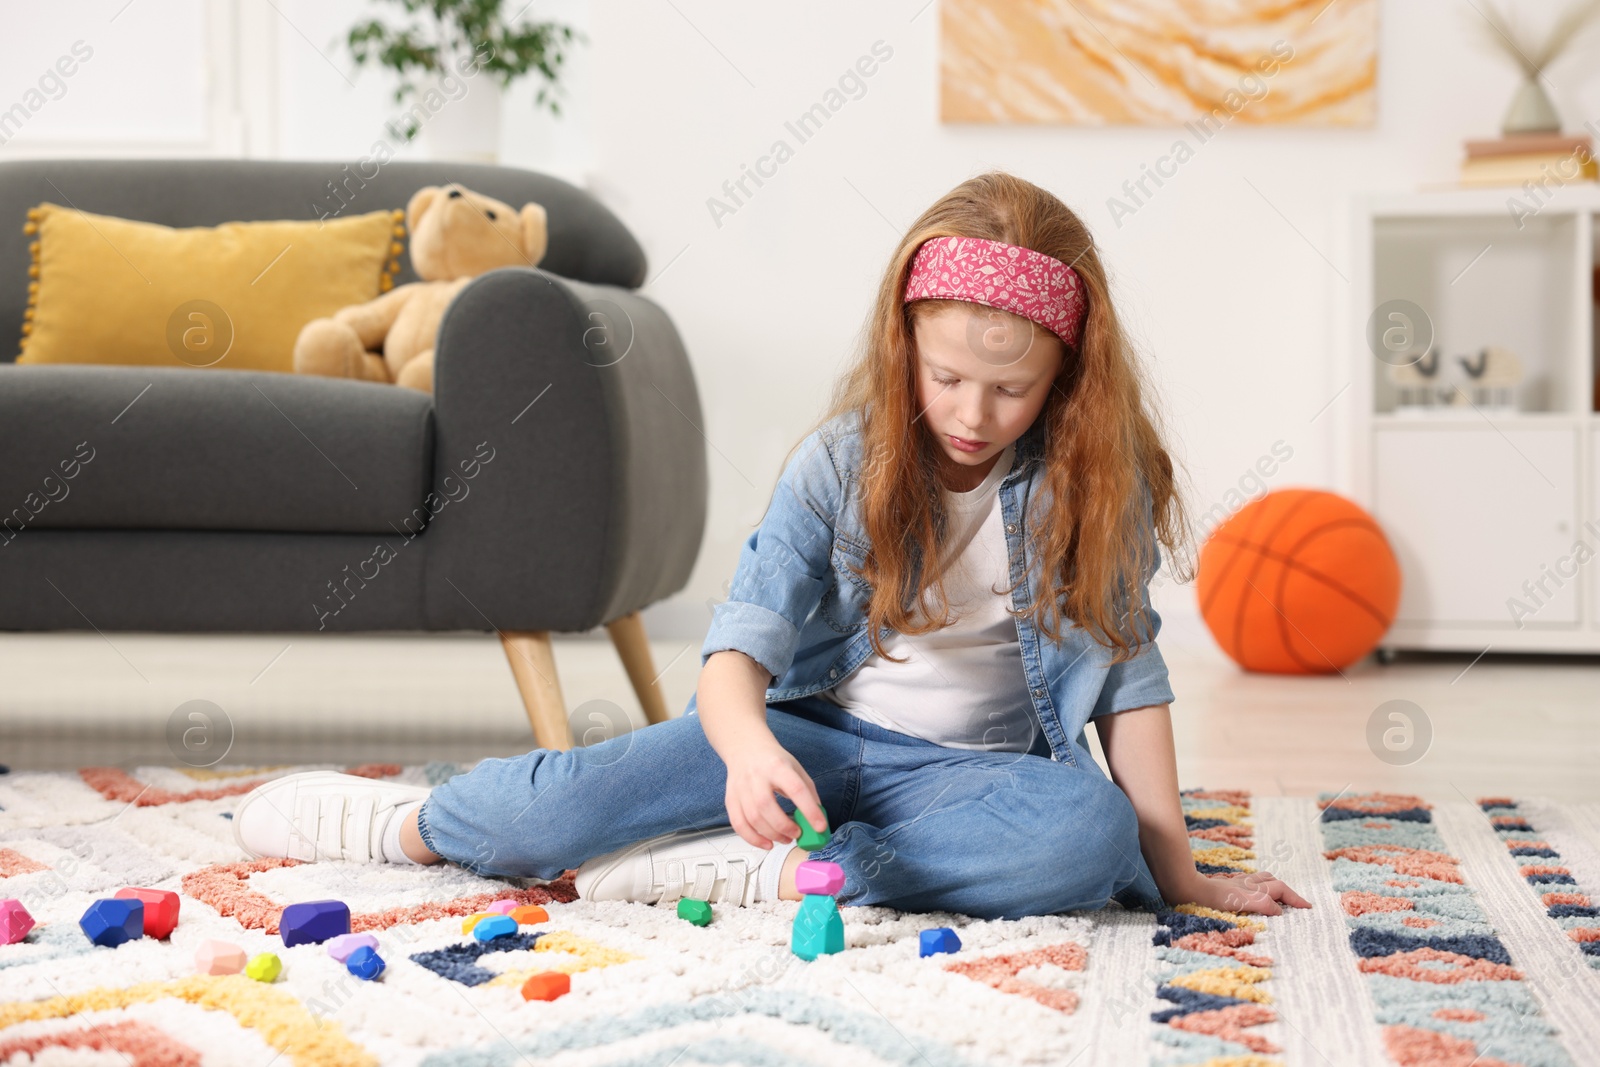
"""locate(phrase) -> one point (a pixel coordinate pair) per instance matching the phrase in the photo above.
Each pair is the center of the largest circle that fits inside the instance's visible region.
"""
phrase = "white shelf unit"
(1486, 508)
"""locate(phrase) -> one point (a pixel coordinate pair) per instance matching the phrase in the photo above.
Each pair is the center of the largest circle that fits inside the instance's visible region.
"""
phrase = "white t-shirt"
(963, 686)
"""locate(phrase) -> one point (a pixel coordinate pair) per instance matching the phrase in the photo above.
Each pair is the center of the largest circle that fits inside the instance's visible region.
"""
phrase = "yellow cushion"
(234, 296)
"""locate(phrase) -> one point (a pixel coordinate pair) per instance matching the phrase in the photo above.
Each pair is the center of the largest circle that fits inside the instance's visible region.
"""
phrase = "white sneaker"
(715, 865)
(320, 815)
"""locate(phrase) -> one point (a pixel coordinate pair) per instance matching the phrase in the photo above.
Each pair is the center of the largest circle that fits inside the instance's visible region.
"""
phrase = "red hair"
(1107, 492)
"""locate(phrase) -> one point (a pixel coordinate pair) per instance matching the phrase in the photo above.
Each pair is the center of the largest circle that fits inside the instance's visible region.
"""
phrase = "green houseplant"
(438, 51)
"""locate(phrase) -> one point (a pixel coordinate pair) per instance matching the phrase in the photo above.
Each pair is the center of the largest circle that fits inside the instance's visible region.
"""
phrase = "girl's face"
(983, 376)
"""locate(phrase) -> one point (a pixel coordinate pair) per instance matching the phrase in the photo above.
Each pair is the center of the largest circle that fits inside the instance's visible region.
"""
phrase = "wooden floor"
(1519, 725)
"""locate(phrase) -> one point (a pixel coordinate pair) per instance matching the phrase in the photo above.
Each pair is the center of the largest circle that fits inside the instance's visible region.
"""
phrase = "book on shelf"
(1535, 157)
(1530, 143)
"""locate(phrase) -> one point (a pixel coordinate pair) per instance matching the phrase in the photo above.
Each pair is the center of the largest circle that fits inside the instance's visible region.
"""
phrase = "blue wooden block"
(314, 921)
(818, 928)
(940, 939)
(108, 923)
(364, 963)
(494, 926)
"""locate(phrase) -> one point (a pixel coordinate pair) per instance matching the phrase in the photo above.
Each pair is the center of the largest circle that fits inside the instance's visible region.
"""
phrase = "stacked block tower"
(818, 927)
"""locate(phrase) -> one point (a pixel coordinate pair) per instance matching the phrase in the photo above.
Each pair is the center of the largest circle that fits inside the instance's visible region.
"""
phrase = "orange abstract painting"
(1159, 62)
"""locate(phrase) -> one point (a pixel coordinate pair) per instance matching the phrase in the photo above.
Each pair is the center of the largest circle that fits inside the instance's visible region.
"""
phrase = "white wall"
(1224, 276)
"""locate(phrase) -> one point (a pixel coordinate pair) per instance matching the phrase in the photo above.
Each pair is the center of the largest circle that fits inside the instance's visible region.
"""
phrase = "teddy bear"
(456, 235)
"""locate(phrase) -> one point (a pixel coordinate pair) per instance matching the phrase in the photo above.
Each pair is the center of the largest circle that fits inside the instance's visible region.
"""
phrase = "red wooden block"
(160, 910)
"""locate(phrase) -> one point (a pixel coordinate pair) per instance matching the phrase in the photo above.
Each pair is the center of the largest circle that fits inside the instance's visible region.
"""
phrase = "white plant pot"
(462, 118)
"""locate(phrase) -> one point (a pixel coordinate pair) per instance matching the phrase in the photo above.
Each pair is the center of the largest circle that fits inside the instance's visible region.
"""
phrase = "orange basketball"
(1299, 582)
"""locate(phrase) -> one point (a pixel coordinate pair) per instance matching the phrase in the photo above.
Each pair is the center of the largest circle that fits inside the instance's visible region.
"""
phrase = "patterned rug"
(1442, 933)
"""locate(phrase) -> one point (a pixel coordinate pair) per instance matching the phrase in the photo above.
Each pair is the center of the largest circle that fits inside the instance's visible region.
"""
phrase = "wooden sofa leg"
(533, 664)
(633, 646)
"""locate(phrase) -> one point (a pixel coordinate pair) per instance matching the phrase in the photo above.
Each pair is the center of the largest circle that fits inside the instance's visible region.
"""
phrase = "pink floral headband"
(998, 275)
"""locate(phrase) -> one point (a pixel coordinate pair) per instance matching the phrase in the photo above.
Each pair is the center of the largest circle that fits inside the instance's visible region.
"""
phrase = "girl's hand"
(753, 777)
(1257, 891)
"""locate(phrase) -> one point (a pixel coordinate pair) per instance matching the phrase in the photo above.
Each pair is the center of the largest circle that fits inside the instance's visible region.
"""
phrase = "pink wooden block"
(219, 957)
(503, 907)
(818, 877)
(15, 922)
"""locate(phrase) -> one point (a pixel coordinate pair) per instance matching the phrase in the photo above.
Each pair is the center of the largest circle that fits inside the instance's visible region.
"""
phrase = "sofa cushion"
(229, 297)
(161, 448)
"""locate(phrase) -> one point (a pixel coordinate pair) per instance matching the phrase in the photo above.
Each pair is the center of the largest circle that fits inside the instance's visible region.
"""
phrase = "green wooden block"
(696, 911)
(811, 840)
(818, 928)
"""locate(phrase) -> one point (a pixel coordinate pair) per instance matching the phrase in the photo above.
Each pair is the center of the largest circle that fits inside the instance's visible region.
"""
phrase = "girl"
(933, 716)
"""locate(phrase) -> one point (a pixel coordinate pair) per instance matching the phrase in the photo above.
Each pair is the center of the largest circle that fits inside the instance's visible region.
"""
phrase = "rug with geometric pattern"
(1444, 931)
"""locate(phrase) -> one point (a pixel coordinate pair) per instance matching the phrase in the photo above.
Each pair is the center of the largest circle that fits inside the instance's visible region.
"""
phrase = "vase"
(1531, 111)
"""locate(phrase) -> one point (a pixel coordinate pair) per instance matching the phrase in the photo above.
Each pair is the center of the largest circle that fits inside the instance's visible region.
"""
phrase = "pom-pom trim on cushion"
(30, 228)
(386, 279)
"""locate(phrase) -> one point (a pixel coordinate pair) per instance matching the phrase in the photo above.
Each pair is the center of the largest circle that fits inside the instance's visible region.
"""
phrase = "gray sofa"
(562, 446)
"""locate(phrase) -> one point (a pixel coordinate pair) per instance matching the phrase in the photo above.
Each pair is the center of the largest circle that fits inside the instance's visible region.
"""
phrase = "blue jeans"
(916, 826)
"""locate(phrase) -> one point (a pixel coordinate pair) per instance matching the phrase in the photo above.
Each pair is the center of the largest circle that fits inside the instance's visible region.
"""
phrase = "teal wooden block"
(695, 911)
(810, 839)
(818, 928)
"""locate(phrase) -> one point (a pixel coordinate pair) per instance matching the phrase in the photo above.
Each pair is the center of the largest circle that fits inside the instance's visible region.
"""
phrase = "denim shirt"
(795, 607)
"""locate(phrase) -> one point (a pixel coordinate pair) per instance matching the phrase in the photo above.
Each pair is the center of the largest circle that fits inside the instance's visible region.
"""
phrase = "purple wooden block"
(341, 947)
(314, 921)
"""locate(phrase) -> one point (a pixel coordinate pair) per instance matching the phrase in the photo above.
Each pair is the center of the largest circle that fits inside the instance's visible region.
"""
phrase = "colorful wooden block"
(818, 877)
(818, 928)
(218, 957)
(494, 926)
(160, 910)
(342, 946)
(939, 939)
(365, 963)
(264, 967)
(503, 907)
(109, 923)
(313, 921)
(15, 922)
(695, 911)
(547, 985)
(472, 920)
(811, 839)
(529, 914)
